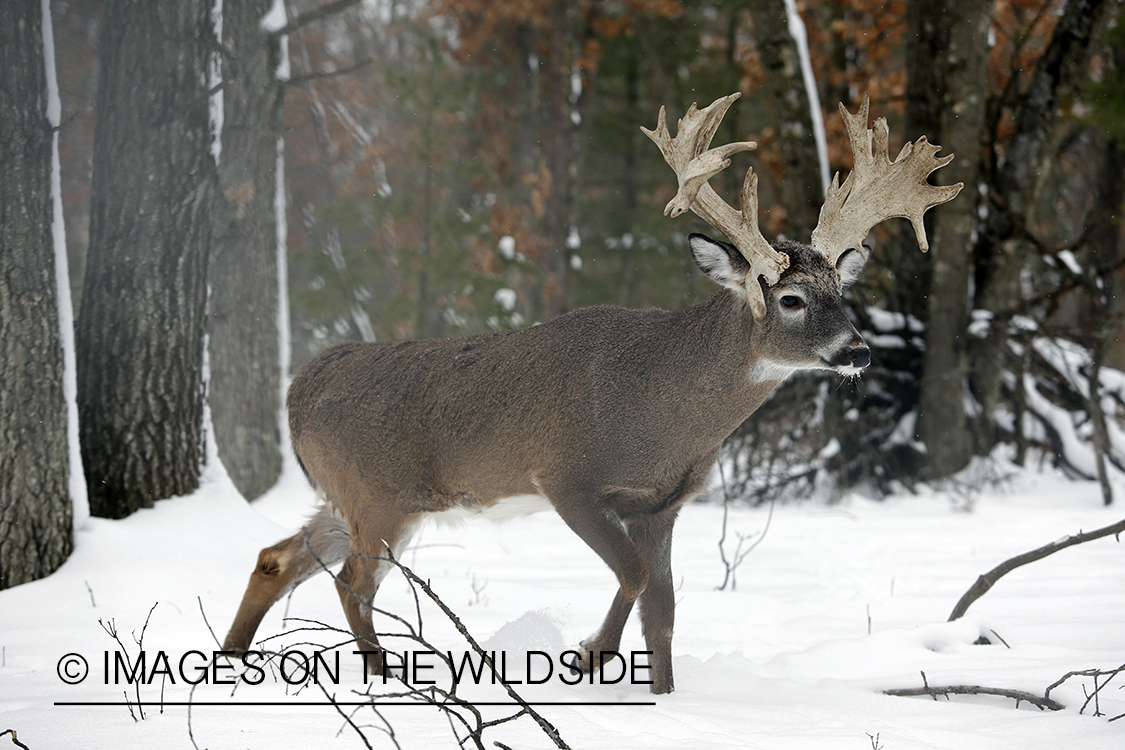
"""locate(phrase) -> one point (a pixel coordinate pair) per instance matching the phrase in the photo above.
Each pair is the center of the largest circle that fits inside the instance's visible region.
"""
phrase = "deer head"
(877, 189)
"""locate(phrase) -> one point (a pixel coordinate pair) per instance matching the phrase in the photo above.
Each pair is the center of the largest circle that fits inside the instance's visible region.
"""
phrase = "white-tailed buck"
(613, 416)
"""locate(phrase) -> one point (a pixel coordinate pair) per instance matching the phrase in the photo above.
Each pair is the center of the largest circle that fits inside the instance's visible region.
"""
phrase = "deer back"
(603, 392)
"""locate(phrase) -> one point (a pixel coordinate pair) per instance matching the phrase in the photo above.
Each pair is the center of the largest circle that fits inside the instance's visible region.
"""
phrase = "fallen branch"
(1108, 674)
(548, 728)
(1042, 702)
(989, 579)
(948, 690)
(15, 741)
(460, 712)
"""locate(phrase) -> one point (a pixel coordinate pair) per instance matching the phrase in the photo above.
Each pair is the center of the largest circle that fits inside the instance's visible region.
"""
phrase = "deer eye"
(792, 302)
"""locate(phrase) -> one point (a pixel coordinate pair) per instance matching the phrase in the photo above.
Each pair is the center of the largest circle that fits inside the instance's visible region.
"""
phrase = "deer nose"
(859, 355)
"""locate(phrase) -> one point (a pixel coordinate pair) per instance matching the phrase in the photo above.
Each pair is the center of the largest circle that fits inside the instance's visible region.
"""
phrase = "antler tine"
(695, 163)
(877, 188)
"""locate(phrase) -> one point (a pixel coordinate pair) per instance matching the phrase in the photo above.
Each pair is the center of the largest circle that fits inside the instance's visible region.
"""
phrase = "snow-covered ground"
(837, 604)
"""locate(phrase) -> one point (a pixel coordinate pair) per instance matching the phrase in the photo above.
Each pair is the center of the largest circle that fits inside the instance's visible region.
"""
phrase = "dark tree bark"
(1016, 180)
(141, 327)
(560, 147)
(35, 504)
(802, 191)
(245, 387)
(946, 63)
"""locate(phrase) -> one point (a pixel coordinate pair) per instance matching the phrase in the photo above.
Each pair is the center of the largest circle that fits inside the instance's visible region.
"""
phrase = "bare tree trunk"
(1016, 183)
(560, 155)
(245, 389)
(801, 188)
(141, 327)
(35, 504)
(952, 72)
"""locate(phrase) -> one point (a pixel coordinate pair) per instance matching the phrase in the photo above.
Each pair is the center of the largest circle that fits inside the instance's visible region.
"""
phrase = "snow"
(284, 348)
(77, 477)
(506, 298)
(800, 36)
(54, 104)
(1067, 257)
(838, 603)
(214, 81)
(275, 18)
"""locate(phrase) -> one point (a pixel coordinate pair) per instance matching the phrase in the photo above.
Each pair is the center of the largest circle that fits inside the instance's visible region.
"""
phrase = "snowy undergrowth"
(837, 604)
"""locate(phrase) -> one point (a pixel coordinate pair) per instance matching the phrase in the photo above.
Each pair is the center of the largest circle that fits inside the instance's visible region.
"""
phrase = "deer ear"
(721, 261)
(850, 265)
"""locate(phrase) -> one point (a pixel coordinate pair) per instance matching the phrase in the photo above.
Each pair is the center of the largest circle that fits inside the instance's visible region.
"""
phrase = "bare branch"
(15, 740)
(309, 77)
(948, 690)
(316, 14)
(989, 579)
(548, 728)
(1108, 674)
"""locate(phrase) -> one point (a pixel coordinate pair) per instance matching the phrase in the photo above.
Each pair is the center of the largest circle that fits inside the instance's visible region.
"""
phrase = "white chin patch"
(849, 371)
(765, 370)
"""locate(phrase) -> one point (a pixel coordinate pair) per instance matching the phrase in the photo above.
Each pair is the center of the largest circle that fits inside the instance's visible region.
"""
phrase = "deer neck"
(717, 352)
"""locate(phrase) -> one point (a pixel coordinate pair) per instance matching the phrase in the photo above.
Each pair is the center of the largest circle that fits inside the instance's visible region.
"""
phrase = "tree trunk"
(35, 504)
(142, 322)
(802, 191)
(245, 387)
(952, 73)
(560, 151)
(1016, 184)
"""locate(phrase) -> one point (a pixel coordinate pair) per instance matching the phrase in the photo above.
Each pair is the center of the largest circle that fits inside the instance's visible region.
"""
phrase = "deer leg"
(322, 543)
(603, 531)
(359, 580)
(653, 538)
(356, 586)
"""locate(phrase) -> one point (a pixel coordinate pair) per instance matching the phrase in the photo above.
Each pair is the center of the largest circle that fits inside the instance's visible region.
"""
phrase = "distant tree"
(947, 55)
(142, 319)
(802, 189)
(245, 386)
(35, 504)
(1023, 118)
(479, 157)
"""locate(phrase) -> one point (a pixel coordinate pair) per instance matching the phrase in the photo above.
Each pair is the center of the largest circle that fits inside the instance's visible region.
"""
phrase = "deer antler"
(878, 189)
(694, 163)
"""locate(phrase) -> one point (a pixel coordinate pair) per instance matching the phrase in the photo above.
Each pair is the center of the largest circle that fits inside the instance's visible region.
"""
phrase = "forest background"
(452, 167)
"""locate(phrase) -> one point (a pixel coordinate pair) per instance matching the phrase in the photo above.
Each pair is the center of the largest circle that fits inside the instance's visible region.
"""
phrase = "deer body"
(613, 416)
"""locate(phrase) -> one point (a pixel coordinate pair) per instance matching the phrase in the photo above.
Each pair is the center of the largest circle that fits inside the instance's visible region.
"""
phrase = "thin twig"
(310, 77)
(1109, 674)
(205, 622)
(328, 9)
(545, 725)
